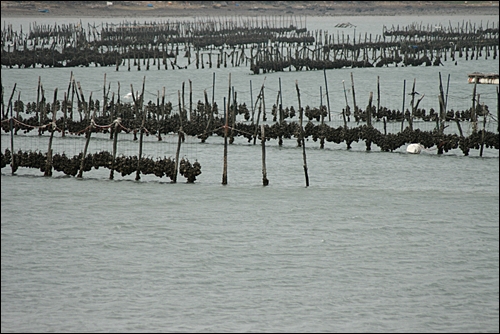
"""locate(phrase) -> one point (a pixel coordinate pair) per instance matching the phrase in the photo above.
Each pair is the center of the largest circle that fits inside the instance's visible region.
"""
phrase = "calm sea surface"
(379, 241)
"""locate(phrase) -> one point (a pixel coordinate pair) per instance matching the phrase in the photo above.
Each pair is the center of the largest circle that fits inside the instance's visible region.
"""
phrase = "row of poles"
(139, 102)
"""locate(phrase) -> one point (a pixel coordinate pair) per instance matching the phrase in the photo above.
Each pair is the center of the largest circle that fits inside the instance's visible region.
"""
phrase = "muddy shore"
(160, 9)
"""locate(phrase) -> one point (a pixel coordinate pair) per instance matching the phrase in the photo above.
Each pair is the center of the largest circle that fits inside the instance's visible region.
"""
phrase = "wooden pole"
(177, 153)
(498, 111)
(473, 111)
(65, 114)
(403, 108)
(48, 162)
(89, 132)
(378, 94)
(410, 119)
(213, 93)
(282, 116)
(190, 100)
(11, 121)
(354, 96)
(265, 181)
(104, 96)
(38, 102)
(344, 112)
(327, 96)
(233, 116)
(115, 141)
(141, 131)
(224, 172)
(302, 135)
(484, 131)
(369, 120)
(251, 100)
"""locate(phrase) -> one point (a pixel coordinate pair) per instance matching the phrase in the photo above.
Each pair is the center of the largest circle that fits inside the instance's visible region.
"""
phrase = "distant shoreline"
(13, 9)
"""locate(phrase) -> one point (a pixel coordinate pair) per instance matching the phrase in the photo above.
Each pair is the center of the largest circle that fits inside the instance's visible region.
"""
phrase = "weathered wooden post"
(473, 115)
(115, 141)
(484, 131)
(346, 110)
(282, 116)
(403, 108)
(259, 99)
(356, 110)
(224, 171)
(327, 96)
(88, 133)
(265, 181)
(190, 100)
(48, 162)
(180, 139)
(498, 111)
(11, 121)
(251, 100)
(410, 119)
(141, 132)
(369, 120)
(301, 135)
(233, 116)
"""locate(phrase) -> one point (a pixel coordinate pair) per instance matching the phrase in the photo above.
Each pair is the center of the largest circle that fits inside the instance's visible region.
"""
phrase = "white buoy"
(414, 148)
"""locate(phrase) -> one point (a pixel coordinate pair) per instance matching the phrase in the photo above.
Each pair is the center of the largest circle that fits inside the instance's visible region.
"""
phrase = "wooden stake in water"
(89, 132)
(13, 163)
(224, 172)
(177, 153)
(327, 97)
(115, 141)
(473, 115)
(48, 163)
(484, 131)
(141, 132)
(302, 135)
(265, 181)
(403, 108)
(346, 110)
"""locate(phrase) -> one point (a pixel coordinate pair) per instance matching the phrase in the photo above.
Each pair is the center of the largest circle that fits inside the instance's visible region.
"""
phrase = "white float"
(414, 148)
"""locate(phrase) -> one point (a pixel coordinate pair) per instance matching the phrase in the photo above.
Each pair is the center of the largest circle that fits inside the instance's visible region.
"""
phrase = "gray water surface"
(379, 241)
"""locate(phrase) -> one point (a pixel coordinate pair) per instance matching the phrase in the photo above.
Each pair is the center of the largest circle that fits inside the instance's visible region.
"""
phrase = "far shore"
(137, 9)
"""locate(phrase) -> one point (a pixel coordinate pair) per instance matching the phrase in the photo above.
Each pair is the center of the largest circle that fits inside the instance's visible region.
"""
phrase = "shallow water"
(379, 241)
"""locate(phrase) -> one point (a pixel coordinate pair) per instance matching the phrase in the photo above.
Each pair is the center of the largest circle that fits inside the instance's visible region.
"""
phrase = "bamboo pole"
(115, 141)
(141, 132)
(180, 139)
(301, 136)
(356, 110)
(89, 132)
(327, 96)
(282, 116)
(11, 121)
(233, 116)
(484, 131)
(473, 110)
(344, 112)
(265, 181)
(224, 171)
(410, 119)
(403, 108)
(190, 100)
(65, 114)
(498, 111)
(48, 162)
(369, 120)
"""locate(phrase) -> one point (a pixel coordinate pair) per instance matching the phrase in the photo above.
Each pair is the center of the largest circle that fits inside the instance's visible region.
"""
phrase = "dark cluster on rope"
(122, 164)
